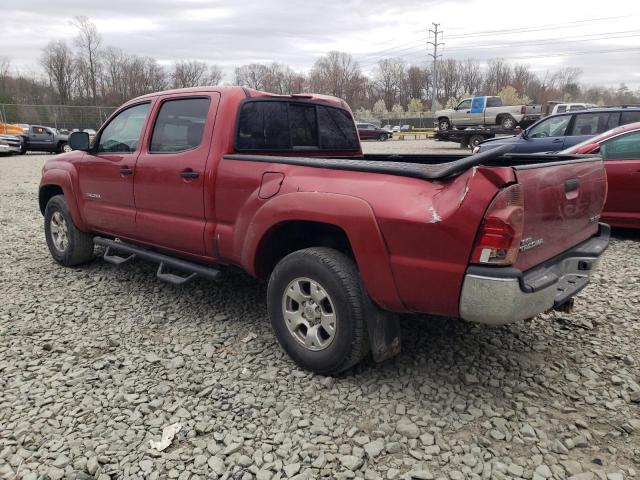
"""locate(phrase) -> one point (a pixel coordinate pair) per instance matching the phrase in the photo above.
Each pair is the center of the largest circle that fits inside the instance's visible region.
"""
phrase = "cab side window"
(122, 134)
(179, 125)
(624, 147)
(551, 127)
(464, 105)
(591, 123)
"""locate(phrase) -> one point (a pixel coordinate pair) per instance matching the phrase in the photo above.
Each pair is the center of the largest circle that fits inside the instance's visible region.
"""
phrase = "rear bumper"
(495, 296)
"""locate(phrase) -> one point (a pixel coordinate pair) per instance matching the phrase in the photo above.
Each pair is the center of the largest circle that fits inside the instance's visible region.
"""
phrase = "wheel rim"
(444, 125)
(508, 123)
(309, 314)
(59, 232)
(66, 148)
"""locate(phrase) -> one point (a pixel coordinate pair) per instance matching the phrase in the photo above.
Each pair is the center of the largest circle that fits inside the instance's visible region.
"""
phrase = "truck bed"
(426, 167)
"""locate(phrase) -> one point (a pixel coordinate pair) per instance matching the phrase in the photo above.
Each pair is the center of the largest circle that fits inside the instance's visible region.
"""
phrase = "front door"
(622, 162)
(545, 136)
(170, 173)
(40, 137)
(106, 173)
(462, 114)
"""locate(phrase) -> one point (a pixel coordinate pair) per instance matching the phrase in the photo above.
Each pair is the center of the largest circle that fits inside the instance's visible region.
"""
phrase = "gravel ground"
(95, 361)
(410, 145)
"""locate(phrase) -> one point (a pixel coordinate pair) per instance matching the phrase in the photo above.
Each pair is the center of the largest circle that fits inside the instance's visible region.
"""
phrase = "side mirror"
(525, 134)
(79, 141)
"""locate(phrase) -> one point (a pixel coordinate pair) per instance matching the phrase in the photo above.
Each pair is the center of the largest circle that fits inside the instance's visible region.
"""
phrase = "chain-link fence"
(67, 117)
(424, 120)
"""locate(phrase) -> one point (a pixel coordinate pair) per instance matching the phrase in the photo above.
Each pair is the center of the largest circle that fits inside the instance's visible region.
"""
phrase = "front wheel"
(64, 147)
(383, 137)
(68, 245)
(444, 124)
(475, 140)
(316, 303)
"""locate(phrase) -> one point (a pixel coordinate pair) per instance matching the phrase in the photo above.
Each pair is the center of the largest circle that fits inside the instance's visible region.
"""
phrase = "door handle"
(557, 140)
(189, 174)
(468, 111)
(126, 171)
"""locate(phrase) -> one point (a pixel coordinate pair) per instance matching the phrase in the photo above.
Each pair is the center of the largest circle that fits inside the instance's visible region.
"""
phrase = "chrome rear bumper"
(496, 296)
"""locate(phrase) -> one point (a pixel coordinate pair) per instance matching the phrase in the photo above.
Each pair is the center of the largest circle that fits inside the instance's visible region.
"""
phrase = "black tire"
(474, 140)
(508, 122)
(444, 124)
(61, 147)
(339, 277)
(383, 137)
(79, 245)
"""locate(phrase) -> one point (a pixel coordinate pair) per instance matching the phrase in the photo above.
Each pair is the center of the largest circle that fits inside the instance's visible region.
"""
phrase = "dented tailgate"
(562, 205)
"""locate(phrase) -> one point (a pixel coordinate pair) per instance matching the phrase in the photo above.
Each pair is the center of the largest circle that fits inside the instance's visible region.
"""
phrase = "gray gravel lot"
(95, 361)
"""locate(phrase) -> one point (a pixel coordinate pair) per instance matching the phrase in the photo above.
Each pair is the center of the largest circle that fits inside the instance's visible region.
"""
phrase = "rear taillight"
(498, 240)
(523, 109)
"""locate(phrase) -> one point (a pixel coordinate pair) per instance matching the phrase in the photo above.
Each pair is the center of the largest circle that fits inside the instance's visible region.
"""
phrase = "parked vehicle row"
(201, 179)
(561, 131)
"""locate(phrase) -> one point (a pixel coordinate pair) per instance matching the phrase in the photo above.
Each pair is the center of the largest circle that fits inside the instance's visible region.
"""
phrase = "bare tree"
(57, 61)
(389, 76)
(254, 75)
(450, 80)
(338, 74)
(5, 67)
(215, 75)
(88, 41)
(418, 82)
(498, 75)
(189, 74)
(471, 76)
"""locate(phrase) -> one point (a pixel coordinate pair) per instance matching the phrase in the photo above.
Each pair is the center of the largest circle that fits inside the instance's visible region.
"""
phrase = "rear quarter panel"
(425, 230)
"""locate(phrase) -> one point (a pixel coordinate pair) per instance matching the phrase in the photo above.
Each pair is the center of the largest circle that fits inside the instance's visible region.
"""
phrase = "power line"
(565, 25)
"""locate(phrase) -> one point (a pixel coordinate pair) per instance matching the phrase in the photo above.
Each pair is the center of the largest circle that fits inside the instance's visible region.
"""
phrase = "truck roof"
(248, 93)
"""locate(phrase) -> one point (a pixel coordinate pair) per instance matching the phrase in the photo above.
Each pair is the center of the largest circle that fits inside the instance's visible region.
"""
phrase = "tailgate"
(562, 205)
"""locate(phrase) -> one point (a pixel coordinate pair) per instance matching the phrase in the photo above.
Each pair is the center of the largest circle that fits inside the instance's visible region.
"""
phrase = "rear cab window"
(278, 125)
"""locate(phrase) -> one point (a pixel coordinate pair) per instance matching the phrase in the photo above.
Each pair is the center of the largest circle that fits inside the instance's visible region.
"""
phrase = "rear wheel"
(474, 140)
(68, 245)
(316, 304)
(383, 137)
(508, 122)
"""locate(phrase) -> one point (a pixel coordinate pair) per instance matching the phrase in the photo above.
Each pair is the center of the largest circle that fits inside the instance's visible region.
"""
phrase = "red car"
(368, 131)
(200, 180)
(620, 150)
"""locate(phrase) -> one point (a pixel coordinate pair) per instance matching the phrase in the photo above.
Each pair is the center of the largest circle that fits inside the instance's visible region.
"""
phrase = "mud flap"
(384, 333)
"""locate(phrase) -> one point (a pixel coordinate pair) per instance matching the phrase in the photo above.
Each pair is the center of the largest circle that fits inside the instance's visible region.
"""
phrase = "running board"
(193, 269)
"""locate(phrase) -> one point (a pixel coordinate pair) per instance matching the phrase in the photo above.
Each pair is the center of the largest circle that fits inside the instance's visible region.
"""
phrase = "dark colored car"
(620, 150)
(564, 130)
(44, 139)
(368, 131)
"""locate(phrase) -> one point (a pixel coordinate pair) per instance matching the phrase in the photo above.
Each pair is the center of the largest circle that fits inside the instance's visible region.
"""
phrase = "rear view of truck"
(538, 243)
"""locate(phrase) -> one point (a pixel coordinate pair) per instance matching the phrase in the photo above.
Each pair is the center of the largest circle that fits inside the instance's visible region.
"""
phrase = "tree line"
(87, 72)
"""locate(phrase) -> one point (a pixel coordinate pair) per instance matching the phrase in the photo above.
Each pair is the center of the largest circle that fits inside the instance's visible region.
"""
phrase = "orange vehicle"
(10, 129)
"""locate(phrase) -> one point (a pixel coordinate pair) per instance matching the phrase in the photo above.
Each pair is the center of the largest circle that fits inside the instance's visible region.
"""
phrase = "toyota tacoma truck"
(205, 179)
(486, 111)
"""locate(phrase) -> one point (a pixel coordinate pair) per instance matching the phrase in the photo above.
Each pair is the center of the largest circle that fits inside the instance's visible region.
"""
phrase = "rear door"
(587, 125)
(545, 136)
(622, 162)
(562, 203)
(170, 173)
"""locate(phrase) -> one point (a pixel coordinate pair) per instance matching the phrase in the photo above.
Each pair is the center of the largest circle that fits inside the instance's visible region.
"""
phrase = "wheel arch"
(345, 223)
(58, 182)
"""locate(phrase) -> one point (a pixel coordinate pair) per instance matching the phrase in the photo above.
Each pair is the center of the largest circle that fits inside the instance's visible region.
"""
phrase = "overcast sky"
(553, 33)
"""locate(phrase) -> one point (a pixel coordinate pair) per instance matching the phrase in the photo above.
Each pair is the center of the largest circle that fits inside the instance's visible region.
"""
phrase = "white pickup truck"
(486, 111)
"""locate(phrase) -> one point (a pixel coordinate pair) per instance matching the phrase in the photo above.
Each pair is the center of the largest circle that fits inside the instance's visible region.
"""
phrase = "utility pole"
(434, 55)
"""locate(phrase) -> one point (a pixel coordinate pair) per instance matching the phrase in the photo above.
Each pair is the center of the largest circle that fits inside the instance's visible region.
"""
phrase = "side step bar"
(193, 269)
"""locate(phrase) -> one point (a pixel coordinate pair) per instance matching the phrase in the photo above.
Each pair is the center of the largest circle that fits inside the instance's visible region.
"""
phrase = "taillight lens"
(523, 109)
(498, 240)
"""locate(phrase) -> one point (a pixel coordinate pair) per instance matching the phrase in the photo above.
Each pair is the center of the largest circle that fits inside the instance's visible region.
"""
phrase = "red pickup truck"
(198, 180)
